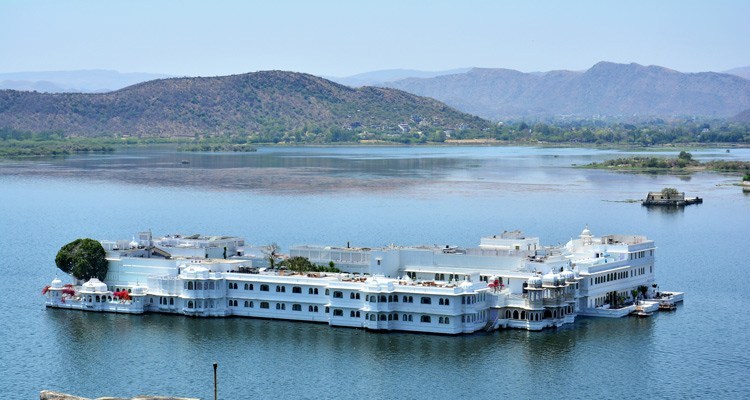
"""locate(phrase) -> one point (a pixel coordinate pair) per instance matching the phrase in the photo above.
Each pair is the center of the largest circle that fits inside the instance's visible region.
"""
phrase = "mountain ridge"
(605, 89)
(242, 104)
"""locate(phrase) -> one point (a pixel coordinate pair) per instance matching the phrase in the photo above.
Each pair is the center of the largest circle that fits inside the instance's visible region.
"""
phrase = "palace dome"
(56, 284)
(94, 285)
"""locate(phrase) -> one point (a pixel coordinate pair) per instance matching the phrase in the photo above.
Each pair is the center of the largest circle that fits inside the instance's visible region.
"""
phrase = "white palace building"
(509, 281)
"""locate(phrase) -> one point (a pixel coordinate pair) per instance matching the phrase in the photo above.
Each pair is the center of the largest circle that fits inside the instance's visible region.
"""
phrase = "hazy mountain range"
(86, 81)
(269, 101)
(380, 78)
(606, 89)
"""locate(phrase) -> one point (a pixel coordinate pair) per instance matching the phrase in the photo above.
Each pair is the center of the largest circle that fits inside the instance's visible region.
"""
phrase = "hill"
(742, 72)
(606, 89)
(272, 103)
(743, 117)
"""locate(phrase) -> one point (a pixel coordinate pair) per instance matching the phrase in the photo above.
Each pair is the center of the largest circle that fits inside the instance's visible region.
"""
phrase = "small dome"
(56, 284)
(550, 279)
(94, 285)
(586, 231)
(138, 289)
(535, 282)
(195, 271)
(466, 285)
(568, 275)
(133, 244)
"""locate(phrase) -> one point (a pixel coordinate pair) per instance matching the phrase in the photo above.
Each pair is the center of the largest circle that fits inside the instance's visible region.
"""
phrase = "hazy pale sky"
(340, 38)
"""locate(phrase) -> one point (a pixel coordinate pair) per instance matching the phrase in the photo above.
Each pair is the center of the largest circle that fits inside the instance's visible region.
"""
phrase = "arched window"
(523, 314)
(246, 287)
(515, 314)
(264, 304)
(372, 317)
(327, 292)
(390, 317)
(190, 286)
(411, 299)
(351, 296)
(296, 307)
(247, 304)
(447, 302)
(338, 294)
(447, 320)
(405, 299)
(357, 296)
(190, 304)
(463, 300)
(381, 317)
(296, 289)
(278, 288)
(283, 289)
(440, 321)
(357, 314)
(315, 291)
(403, 317)
(338, 312)
(383, 299)
(426, 300)
(171, 301)
(199, 286)
(441, 302)
(411, 319)
(263, 288)
(351, 314)
(395, 298)
(315, 309)
(309, 309)
(425, 319)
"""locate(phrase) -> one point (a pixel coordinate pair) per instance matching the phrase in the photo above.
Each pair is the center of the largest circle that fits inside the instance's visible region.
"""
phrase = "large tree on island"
(83, 258)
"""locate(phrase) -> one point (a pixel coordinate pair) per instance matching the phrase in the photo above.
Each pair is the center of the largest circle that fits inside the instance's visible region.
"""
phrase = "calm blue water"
(371, 197)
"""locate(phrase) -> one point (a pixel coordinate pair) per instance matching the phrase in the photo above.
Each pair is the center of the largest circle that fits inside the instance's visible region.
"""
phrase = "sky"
(342, 38)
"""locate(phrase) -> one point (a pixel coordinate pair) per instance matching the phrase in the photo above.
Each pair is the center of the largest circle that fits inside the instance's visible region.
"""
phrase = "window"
(425, 319)
(264, 304)
(251, 287)
(327, 310)
(357, 296)
(211, 285)
(381, 317)
(309, 309)
(327, 292)
(411, 319)
(405, 299)
(426, 300)
(403, 317)
(441, 302)
(190, 287)
(190, 304)
(338, 312)
(296, 289)
(309, 290)
(171, 301)
(351, 314)
(447, 302)
(296, 307)
(315, 291)
(372, 317)
(247, 304)
(315, 309)
(351, 296)
(263, 288)
(411, 299)
(395, 298)
(246, 287)
(338, 295)
(357, 314)
(199, 286)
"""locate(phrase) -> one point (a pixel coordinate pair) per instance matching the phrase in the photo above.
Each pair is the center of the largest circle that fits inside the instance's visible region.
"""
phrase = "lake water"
(371, 196)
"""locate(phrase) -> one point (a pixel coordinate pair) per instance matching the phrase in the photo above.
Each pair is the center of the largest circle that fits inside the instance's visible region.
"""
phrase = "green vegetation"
(83, 258)
(746, 177)
(683, 163)
(302, 265)
(669, 192)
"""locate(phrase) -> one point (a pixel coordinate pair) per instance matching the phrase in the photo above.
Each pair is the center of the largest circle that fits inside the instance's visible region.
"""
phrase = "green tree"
(83, 258)
(669, 192)
(298, 264)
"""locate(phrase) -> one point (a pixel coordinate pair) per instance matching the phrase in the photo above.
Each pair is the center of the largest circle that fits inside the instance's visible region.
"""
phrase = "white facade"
(509, 281)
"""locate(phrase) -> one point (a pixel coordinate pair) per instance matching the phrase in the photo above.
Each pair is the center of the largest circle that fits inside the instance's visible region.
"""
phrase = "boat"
(509, 281)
